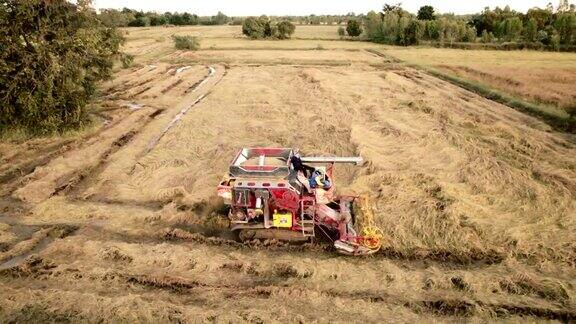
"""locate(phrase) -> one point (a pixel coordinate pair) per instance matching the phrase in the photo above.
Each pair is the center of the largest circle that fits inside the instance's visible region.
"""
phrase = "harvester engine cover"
(276, 193)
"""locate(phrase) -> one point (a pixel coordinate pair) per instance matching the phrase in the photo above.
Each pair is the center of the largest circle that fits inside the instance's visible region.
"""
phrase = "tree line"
(134, 18)
(541, 27)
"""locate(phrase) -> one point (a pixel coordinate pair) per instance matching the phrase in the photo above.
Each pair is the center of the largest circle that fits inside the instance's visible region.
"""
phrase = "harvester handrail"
(332, 159)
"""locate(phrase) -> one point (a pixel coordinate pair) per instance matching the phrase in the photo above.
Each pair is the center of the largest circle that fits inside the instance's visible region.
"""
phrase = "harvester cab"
(274, 193)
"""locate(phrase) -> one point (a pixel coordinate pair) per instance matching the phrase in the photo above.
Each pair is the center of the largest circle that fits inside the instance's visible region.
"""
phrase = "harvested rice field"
(121, 223)
(540, 77)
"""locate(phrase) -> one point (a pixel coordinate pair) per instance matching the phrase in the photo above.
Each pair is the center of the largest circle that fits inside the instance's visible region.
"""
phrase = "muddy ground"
(477, 200)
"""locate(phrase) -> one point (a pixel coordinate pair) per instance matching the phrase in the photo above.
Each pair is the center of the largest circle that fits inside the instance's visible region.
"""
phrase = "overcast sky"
(306, 7)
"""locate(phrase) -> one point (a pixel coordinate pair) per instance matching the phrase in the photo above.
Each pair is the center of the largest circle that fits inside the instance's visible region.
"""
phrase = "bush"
(543, 37)
(555, 42)
(186, 42)
(255, 28)
(237, 22)
(487, 37)
(571, 110)
(140, 22)
(341, 31)
(52, 55)
(354, 29)
(413, 33)
(127, 60)
(262, 27)
(285, 29)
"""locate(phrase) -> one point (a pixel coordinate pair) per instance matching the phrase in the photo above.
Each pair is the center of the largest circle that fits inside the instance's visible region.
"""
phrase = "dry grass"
(293, 57)
(541, 77)
(477, 200)
(152, 44)
(26, 245)
(302, 32)
(316, 32)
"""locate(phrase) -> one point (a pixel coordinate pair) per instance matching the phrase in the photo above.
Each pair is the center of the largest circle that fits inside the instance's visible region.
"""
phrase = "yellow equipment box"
(282, 220)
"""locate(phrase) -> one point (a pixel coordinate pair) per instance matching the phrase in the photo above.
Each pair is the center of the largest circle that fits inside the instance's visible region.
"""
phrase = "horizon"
(306, 8)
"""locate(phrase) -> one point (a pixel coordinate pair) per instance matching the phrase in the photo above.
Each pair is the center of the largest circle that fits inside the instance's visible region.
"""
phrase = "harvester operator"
(296, 161)
(320, 180)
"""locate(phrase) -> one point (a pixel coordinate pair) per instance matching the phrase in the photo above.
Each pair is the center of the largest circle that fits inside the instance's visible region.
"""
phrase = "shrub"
(52, 55)
(262, 27)
(285, 29)
(341, 31)
(140, 22)
(186, 42)
(571, 110)
(255, 28)
(487, 37)
(127, 60)
(237, 22)
(354, 29)
(555, 42)
(543, 37)
(413, 33)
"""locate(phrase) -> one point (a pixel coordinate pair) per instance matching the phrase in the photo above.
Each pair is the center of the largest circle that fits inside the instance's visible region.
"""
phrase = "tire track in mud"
(77, 180)
(152, 144)
(14, 177)
(75, 183)
(116, 91)
(387, 58)
(39, 240)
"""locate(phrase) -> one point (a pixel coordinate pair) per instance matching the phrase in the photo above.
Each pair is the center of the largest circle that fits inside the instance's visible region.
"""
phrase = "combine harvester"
(273, 193)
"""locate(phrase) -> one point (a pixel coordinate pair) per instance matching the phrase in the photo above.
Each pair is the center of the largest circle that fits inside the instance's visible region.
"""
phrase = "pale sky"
(306, 7)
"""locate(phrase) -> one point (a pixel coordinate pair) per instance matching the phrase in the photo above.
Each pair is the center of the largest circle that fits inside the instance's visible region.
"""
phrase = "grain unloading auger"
(273, 193)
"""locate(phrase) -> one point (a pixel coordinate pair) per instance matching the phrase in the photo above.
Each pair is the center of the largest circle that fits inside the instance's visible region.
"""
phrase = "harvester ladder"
(307, 211)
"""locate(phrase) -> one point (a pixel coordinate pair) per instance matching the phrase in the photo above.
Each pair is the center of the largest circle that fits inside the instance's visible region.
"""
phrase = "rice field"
(122, 224)
(541, 77)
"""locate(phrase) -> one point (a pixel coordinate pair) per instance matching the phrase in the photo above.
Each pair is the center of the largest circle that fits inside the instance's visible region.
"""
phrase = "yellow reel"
(372, 235)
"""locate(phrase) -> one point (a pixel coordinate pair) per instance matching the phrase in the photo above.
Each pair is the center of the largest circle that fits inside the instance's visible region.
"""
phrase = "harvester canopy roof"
(262, 162)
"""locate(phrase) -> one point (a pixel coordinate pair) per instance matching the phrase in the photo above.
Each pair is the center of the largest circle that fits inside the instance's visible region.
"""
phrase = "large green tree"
(52, 54)
(354, 29)
(531, 30)
(426, 13)
(511, 29)
(565, 24)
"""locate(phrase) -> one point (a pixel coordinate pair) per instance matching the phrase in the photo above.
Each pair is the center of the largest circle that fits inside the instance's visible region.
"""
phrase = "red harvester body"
(269, 198)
